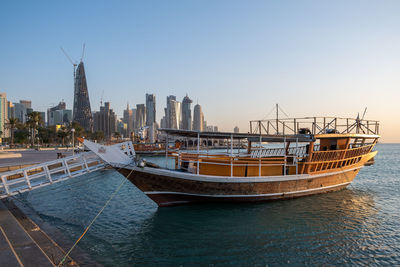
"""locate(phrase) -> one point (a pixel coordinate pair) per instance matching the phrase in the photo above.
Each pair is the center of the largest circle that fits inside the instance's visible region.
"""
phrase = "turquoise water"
(356, 226)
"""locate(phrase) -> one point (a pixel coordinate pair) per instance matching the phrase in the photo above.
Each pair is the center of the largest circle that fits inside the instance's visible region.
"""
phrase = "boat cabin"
(275, 149)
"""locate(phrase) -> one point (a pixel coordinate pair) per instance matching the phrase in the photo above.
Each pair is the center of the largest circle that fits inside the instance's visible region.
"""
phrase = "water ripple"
(356, 226)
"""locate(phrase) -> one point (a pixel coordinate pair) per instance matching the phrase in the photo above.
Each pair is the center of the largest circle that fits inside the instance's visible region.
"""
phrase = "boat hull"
(168, 188)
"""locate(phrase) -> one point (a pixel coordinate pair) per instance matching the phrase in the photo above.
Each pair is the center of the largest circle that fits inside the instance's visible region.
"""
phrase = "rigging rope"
(269, 113)
(283, 112)
(95, 218)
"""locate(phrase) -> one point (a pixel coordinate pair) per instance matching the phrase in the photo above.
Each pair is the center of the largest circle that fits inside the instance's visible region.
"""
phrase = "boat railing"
(320, 160)
(340, 154)
(195, 160)
(314, 125)
(327, 160)
(256, 152)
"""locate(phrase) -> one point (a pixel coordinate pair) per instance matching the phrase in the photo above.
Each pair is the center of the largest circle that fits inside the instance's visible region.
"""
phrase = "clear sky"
(237, 58)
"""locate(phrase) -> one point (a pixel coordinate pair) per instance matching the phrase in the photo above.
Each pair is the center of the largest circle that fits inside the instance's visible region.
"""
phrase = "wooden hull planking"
(167, 190)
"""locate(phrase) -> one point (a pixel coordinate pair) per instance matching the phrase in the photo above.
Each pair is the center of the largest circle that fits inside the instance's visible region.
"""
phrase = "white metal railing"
(47, 173)
(256, 152)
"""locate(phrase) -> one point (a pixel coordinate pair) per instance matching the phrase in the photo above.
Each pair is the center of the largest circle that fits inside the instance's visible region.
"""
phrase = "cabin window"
(333, 143)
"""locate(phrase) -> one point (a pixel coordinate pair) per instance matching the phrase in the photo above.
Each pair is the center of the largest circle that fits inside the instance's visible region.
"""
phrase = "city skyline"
(311, 58)
(146, 115)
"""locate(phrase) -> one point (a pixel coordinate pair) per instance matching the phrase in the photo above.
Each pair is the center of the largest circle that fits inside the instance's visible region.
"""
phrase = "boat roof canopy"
(249, 136)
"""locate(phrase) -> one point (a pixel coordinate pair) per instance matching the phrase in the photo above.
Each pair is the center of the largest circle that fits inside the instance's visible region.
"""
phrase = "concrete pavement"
(17, 248)
(30, 157)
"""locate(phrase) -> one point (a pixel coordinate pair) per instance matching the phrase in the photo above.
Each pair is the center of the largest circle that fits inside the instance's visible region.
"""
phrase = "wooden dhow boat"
(284, 159)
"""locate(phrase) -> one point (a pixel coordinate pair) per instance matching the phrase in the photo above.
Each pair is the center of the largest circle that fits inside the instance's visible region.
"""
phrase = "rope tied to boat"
(95, 218)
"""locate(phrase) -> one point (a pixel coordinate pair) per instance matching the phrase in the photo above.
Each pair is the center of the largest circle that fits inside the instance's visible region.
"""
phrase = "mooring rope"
(95, 218)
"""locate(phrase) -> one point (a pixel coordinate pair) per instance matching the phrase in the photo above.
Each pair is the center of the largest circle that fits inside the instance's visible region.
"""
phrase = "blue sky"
(237, 58)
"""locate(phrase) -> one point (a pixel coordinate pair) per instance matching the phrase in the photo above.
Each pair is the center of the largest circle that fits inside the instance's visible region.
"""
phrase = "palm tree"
(34, 120)
(98, 135)
(117, 135)
(12, 125)
(62, 133)
(79, 131)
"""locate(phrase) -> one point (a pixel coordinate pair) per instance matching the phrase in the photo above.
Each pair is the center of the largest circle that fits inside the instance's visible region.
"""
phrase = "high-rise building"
(128, 120)
(198, 118)
(163, 122)
(60, 106)
(82, 112)
(29, 111)
(186, 113)
(168, 110)
(210, 128)
(134, 118)
(122, 128)
(105, 120)
(3, 114)
(236, 129)
(150, 109)
(140, 120)
(10, 109)
(26, 103)
(175, 114)
(59, 115)
(43, 116)
(20, 112)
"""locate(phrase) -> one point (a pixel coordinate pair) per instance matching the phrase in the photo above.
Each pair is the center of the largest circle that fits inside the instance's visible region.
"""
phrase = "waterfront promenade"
(17, 248)
(30, 157)
(22, 242)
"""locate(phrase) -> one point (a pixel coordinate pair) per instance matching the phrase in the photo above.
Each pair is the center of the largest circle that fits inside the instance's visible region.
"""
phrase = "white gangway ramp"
(117, 155)
(47, 173)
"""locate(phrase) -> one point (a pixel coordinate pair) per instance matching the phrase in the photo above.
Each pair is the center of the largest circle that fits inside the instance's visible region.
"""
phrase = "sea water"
(359, 225)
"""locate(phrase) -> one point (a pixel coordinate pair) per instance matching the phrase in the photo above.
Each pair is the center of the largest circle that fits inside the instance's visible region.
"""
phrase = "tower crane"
(83, 51)
(73, 62)
(101, 99)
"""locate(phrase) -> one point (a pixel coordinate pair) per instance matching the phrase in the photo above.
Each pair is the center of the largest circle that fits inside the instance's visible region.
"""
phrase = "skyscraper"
(105, 120)
(128, 120)
(3, 114)
(186, 113)
(82, 112)
(59, 117)
(134, 118)
(20, 112)
(11, 110)
(140, 116)
(198, 118)
(168, 111)
(150, 109)
(175, 114)
(26, 103)
(163, 122)
(59, 114)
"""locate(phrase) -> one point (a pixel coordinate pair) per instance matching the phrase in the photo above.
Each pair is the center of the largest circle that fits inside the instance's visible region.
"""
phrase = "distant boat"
(322, 158)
